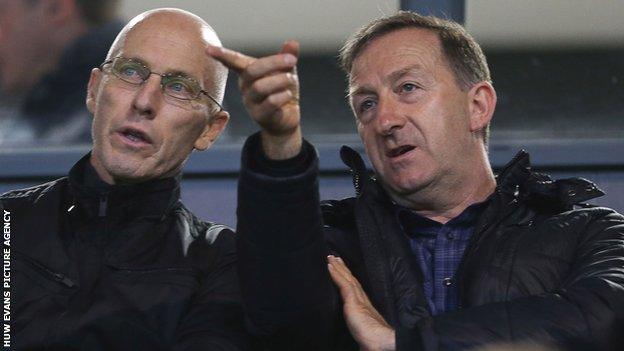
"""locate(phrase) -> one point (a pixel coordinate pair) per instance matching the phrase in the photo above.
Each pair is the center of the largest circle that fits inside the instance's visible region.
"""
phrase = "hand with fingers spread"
(270, 89)
(366, 325)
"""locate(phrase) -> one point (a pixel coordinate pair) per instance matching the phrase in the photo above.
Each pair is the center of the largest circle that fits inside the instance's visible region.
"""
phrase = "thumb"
(290, 47)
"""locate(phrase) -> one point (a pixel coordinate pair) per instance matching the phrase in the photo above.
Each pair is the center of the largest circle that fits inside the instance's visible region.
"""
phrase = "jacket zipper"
(103, 205)
(356, 183)
(58, 277)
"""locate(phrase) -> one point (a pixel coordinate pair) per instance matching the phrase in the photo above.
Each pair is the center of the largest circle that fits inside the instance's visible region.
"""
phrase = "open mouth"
(135, 136)
(398, 151)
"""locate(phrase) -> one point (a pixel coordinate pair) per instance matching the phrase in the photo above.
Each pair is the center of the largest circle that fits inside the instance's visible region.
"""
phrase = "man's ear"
(482, 102)
(211, 132)
(92, 89)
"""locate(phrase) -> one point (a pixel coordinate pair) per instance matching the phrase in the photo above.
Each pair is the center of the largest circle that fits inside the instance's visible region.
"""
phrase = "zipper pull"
(64, 280)
(103, 205)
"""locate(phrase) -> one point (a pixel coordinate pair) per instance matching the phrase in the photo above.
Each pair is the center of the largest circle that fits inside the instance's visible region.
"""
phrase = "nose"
(148, 97)
(389, 118)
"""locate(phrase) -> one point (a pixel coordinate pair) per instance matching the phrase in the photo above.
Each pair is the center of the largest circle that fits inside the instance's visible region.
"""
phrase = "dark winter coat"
(537, 266)
(96, 267)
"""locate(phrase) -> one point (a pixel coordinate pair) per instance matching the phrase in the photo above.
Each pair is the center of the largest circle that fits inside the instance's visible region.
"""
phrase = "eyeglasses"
(174, 85)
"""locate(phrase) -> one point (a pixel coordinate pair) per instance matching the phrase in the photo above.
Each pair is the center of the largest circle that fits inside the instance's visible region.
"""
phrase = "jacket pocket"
(33, 275)
(36, 291)
(153, 298)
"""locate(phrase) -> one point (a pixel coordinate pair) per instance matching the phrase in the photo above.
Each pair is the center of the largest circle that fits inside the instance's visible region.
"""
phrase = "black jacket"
(98, 267)
(536, 267)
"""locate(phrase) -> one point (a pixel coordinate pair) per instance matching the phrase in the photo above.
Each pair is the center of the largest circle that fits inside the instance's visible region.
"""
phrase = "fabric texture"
(122, 267)
(537, 265)
(439, 249)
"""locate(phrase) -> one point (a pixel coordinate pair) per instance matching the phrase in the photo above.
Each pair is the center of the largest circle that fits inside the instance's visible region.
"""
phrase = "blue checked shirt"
(439, 249)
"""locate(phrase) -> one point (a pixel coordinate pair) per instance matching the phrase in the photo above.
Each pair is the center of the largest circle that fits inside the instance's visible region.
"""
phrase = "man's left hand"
(366, 325)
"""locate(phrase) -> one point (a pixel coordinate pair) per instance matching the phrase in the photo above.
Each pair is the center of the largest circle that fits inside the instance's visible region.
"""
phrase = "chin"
(125, 174)
(408, 184)
(124, 168)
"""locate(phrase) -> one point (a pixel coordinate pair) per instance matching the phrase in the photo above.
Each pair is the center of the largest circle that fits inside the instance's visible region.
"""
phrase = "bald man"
(108, 258)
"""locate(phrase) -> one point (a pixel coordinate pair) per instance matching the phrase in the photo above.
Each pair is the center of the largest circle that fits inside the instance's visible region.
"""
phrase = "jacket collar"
(514, 173)
(353, 160)
(363, 181)
(98, 199)
(516, 180)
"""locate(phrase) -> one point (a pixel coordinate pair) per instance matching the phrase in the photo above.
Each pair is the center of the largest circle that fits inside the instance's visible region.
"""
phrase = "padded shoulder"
(33, 193)
(194, 228)
(337, 212)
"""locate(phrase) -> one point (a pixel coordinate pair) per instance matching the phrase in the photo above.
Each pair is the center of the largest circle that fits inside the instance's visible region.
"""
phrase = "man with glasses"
(177, 85)
(108, 258)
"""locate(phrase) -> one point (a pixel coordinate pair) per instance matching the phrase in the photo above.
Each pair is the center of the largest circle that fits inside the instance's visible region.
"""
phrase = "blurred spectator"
(47, 51)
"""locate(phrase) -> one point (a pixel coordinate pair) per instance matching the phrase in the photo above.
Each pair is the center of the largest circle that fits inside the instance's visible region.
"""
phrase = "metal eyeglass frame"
(101, 68)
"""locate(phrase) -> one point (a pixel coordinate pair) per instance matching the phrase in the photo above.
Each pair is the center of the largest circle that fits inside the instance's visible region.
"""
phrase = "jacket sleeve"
(214, 320)
(589, 305)
(288, 296)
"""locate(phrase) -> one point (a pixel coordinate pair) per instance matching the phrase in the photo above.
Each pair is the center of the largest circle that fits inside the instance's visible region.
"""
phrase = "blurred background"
(557, 66)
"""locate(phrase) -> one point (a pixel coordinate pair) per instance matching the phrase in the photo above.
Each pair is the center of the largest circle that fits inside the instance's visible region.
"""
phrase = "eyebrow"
(359, 91)
(177, 73)
(134, 58)
(412, 69)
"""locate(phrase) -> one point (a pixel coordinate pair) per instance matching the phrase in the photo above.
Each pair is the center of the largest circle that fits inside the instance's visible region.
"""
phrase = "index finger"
(338, 264)
(231, 59)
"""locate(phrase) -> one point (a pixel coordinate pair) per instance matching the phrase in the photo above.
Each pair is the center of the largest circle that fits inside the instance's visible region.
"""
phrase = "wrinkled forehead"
(396, 50)
(169, 43)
